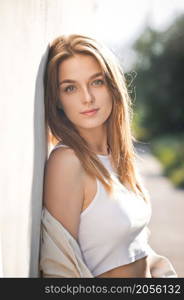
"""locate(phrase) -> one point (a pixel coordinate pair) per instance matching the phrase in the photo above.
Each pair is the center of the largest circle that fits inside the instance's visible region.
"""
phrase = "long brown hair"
(119, 137)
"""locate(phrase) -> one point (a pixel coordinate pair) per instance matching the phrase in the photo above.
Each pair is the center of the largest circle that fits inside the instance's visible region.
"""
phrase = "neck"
(96, 139)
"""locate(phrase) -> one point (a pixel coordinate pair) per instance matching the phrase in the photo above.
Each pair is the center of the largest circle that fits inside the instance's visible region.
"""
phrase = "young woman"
(95, 210)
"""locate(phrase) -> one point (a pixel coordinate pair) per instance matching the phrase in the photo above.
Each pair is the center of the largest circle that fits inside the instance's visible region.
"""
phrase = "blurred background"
(148, 39)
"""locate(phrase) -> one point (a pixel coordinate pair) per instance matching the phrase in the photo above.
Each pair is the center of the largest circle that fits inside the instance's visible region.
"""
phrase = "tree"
(160, 80)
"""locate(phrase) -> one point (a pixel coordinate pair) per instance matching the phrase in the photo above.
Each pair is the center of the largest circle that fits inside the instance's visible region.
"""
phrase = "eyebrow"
(73, 81)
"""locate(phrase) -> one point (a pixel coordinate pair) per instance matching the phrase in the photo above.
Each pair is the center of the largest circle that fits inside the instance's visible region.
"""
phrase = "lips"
(90, 111)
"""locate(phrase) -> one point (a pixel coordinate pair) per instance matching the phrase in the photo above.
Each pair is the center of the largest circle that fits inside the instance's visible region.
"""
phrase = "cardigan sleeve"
(60, 254)
(160, 266)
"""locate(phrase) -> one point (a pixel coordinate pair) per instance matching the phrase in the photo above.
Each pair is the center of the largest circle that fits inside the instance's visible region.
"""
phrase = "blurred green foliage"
(160, 79)
(170, 151)
(159, 104)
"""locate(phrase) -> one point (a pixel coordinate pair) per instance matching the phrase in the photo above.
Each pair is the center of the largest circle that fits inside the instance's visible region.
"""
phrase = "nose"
(87, 95)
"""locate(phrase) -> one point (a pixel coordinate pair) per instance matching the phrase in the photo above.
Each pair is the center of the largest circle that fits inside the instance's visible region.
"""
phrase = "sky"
(119, 22)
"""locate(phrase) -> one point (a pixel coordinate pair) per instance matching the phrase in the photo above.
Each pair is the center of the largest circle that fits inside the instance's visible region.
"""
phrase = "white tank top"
(113, 229)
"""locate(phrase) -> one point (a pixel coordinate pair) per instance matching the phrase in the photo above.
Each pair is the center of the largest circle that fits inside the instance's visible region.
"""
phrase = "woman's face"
(82, 87)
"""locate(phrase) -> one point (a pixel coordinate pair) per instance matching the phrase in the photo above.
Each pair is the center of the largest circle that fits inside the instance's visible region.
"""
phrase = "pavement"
(167, 221)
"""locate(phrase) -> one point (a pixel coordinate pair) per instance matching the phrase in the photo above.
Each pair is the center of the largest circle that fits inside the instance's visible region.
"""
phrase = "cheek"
(103, 96)
(107, 106)
(108, 101)
(66, 104)
(71, 110)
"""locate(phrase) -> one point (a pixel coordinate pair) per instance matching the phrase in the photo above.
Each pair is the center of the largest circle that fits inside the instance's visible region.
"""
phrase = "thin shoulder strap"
(60, 145)
(57, 146)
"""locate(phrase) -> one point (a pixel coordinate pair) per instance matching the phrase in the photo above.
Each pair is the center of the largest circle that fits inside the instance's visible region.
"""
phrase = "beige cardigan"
(60, 254)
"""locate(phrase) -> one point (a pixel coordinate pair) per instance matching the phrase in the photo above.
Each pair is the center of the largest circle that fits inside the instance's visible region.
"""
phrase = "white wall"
(26, 28)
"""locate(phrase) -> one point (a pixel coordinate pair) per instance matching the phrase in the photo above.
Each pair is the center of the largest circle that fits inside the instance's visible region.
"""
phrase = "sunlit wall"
(26, 28)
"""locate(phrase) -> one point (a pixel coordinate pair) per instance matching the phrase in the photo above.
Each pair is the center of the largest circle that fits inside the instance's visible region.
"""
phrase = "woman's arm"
(64, 188)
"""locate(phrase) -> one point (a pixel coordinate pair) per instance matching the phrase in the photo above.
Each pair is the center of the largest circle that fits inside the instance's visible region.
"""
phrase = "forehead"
(79, 65)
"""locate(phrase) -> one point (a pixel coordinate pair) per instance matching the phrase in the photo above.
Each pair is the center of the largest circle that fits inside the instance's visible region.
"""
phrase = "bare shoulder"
(63, 193)
(64, 156)
(65, 163)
